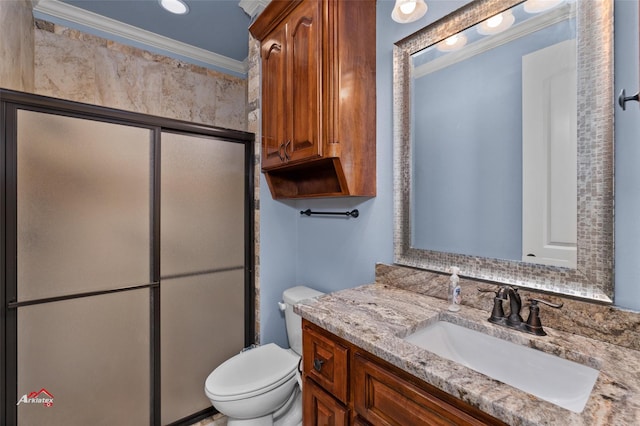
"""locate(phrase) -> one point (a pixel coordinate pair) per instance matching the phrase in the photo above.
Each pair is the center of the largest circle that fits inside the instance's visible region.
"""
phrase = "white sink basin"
(556, 380)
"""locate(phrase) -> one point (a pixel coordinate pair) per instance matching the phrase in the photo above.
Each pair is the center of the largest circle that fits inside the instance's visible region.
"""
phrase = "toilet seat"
(252, 373)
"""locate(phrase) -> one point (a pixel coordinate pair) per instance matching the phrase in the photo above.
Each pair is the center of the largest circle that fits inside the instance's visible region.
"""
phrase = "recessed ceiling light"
(175, 6)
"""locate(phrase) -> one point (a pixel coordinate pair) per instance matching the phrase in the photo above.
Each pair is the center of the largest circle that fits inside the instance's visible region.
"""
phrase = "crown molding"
(112, 27)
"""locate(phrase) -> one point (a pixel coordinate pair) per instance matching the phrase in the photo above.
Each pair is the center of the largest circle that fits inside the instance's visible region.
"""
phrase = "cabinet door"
(304, 50)
(326, 361)
(274, 81)
(384, 399)
(320, 409)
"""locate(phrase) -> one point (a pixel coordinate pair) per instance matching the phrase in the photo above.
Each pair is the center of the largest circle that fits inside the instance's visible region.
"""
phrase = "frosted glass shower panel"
(83, 205)
(202, 197)
(91, 355)
(202, 320)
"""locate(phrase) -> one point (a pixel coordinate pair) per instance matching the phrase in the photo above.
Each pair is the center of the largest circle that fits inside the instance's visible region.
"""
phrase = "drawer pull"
(317, 364)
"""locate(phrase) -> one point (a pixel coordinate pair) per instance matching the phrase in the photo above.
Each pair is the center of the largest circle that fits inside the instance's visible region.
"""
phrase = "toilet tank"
(293, 321)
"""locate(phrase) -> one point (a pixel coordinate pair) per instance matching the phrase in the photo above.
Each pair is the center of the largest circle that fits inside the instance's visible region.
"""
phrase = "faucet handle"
(534, 325)
(488, 290)
(546, 302)
(497, 313)
(499, 292)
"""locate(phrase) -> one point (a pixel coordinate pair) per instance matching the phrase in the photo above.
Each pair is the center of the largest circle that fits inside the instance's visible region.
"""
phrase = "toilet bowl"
(260, 386)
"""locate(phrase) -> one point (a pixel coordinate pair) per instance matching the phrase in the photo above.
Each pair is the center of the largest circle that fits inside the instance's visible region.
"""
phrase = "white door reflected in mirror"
(549, 155)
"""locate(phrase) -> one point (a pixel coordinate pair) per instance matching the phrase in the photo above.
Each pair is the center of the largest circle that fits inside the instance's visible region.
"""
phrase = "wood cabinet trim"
(271, 17)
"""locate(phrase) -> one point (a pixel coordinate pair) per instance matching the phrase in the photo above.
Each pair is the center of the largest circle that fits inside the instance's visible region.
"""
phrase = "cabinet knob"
(281, 148)
(317, 364)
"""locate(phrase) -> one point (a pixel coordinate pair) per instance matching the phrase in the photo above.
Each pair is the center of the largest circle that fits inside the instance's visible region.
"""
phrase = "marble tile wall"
(73, 65)
(601, 322)
(16, 45)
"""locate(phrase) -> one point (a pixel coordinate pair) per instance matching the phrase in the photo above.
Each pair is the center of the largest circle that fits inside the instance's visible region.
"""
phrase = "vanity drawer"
(384, 398)
(326, 361)
(320, 408)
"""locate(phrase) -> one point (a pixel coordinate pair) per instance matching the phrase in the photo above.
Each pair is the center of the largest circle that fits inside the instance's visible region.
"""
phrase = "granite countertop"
(376, 317)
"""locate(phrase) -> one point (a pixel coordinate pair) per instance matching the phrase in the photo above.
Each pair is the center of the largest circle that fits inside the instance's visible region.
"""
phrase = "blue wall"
(330, 253)
(335, 253)
(627, 152)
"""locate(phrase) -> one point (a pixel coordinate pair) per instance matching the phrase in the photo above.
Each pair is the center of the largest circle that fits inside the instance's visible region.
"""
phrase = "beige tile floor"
(216, 420)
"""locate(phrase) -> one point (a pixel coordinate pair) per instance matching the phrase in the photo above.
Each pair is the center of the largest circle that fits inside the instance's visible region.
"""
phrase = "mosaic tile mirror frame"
(592, 278)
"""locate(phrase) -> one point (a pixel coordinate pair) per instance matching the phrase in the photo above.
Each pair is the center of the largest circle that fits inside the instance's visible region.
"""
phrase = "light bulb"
(494, 21)
(455, 42)
(406, 11)
(451, 41)
(408, 7)
(497, 23)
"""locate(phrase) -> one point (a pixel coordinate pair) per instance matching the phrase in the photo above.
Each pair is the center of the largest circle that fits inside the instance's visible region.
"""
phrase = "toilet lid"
(251, 371)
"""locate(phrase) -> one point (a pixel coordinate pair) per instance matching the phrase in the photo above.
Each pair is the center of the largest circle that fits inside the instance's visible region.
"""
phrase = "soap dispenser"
(454, 297)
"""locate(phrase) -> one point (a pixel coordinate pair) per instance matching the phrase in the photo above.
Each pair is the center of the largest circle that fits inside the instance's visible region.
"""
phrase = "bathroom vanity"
(380, 393)
(359, 367)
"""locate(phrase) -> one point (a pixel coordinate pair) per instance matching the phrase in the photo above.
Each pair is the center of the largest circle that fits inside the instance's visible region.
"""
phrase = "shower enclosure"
(127, 262)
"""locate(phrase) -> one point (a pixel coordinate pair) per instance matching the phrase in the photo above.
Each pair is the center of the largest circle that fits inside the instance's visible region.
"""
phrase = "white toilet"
(261, 386)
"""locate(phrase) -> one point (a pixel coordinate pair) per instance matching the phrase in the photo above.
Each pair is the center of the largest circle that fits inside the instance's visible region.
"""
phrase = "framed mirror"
(503, 145)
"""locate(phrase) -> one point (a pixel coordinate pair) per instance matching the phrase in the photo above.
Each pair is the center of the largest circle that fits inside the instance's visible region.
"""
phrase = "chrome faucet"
(533, 324)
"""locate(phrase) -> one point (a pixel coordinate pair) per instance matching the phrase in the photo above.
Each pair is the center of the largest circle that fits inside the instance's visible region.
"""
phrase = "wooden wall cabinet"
(377, 393)
(318, 102)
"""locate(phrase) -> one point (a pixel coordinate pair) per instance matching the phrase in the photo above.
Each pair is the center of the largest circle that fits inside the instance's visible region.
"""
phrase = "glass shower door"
(82, 268)
(202, 259)
(126, 259)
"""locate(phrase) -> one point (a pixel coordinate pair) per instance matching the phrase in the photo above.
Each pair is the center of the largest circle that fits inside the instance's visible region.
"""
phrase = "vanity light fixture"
(406, 11)
(537, 6)
(497, 23)
(455, 42)
(178, 7)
